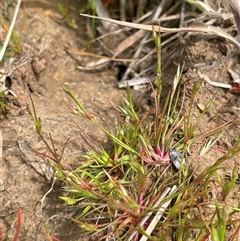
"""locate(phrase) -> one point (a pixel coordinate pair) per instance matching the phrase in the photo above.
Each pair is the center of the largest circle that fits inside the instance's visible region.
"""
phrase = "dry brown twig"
(203, 29)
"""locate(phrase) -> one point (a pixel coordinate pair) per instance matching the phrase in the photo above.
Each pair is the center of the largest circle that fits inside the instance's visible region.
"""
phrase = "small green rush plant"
(134, 192)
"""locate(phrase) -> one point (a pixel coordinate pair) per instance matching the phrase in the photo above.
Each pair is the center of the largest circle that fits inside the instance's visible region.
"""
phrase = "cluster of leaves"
(116, 193)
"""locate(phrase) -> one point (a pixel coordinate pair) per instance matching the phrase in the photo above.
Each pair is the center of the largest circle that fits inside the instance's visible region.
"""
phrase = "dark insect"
(176, 158)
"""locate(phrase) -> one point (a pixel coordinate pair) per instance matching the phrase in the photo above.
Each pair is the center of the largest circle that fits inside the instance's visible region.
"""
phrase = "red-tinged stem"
(160, 151)
(18, 224)
(235, 234)
(1, 234)
(55, 239)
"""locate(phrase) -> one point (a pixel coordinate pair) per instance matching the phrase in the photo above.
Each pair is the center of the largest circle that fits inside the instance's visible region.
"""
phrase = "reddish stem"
(18, 224)
(1, 234)
(55, 239)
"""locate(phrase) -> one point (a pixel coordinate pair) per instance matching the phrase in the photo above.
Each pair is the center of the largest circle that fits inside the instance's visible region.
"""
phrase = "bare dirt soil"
(44, 38)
